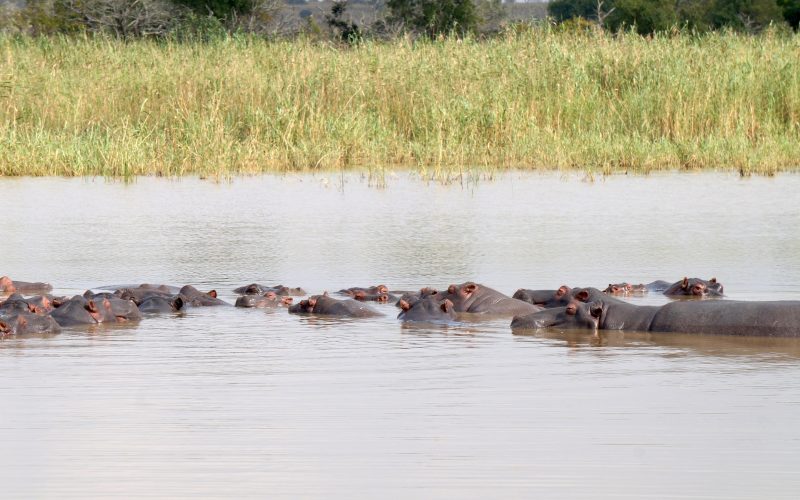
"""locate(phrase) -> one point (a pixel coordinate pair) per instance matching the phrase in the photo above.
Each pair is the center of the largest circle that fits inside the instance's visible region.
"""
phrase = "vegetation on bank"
(538, 98)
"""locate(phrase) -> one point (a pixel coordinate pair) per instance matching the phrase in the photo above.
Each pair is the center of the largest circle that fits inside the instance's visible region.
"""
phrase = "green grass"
(533, 100)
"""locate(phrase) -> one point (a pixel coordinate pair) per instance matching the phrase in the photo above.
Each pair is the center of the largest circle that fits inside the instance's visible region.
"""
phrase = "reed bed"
(538, 99)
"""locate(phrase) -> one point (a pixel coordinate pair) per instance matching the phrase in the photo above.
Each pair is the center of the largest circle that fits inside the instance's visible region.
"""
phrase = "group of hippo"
(564, 308)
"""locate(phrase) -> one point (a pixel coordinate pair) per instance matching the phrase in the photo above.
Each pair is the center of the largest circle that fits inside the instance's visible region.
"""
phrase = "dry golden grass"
(532, 100)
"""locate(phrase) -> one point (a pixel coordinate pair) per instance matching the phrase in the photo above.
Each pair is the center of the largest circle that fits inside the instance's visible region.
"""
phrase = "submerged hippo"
(269, 300)
(258, 289)
(365, 291)
(193, 297)
(80, 311)
(472, 297)
(39, 304)
(157, 304)
(428, 310)
(26, 323)
(687, 287)
(324, 305)
(764, 319)
(412, 297)
(7, 285)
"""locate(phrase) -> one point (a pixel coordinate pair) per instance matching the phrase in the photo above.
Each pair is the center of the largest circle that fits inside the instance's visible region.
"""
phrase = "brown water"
(223, 402)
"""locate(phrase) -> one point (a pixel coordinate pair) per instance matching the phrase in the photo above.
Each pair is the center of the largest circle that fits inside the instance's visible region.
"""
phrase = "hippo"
(8, 285)
(324, 305)
(556, 298)
(695, 287)
(688, 287)
(157, 304)
(80, 311)
(745, 318)
(364, 291)
(269, 300)
(411, 297)
(258, 289)
(139, 295)
(428, 310)
(39, 304)
(194, 297)
(472, 297)
(363, 296)
(26, 323)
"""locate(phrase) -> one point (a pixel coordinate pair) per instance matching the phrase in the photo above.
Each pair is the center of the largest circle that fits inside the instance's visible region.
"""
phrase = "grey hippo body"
(327, 306)
(729, 317)
(475, 298)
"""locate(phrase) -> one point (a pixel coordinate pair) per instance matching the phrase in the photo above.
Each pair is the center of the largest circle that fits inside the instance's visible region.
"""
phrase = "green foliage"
(561, 10)
(748, 15)
(791, 12)
(435, 17)
(648, 16)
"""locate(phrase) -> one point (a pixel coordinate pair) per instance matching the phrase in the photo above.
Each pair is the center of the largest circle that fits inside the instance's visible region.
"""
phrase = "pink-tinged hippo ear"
(91, 306)
(6, 283)
(312, 302)
(404, 305)
(213, 294)
(287, 301)
(446, 305)
(470, 288)
(4, 327)
(271, 295)
(360, 295)
(685, 283)
(595, 309)
(583, 295)
(382, 289)
(562, 290)
(712, 280)
(451, 289)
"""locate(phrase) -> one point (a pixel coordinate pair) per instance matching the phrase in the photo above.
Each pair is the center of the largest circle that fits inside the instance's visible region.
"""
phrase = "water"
(245, 403)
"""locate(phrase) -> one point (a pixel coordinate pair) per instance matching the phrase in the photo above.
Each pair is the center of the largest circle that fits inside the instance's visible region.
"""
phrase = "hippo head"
(282, 300)
(463, 291)
(575, 315)
(618, 288)
(427, 309)
(696, 287)
(304, 306)
(6, 285)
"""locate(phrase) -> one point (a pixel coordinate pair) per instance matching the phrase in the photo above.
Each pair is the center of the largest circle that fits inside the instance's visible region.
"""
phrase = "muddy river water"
(226, 403)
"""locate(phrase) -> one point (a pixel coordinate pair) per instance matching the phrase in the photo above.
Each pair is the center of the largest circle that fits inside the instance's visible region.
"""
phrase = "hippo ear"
(595, 309)
(583, 295)
(685, 282)
(382, 289)
(177, 303)
(470, 288)
(446, 305)
(404, 305)
(451, 289)
(312, 302)
(324, 294)
(562, 290)
(360, 295)
(4, 327)
(91, 306)
(287, 300)
(213, 294)
(713, 280)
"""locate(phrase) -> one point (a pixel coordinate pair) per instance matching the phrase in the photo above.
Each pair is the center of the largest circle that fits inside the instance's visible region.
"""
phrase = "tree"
(221, 9)
(648, 16)
(561, 10)
(791, 12)
(748, 15)
(344, 30)
(434, 17)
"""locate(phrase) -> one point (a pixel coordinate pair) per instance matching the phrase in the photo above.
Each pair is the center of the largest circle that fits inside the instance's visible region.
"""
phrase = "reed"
(537, 99)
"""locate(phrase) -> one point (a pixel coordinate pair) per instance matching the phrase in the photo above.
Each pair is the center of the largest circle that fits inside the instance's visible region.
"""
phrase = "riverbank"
(533, 100)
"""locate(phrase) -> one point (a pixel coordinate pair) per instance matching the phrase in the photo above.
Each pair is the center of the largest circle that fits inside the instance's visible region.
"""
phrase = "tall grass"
(533, 100)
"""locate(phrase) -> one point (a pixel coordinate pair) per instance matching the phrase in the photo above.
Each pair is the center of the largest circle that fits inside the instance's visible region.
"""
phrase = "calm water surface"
(223, 402)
